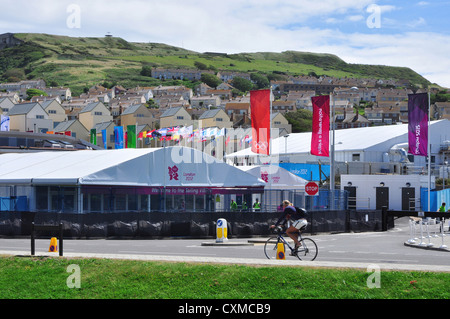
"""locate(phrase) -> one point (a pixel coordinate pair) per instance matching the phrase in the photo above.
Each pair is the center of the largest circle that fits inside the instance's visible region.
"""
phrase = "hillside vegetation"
(82, 62)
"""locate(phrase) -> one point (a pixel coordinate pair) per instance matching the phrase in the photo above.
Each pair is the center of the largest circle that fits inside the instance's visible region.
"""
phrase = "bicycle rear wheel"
(308, 250)
(270, 247)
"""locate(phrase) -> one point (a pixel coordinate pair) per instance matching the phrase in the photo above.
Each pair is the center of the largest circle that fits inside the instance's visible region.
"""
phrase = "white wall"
(366, 188)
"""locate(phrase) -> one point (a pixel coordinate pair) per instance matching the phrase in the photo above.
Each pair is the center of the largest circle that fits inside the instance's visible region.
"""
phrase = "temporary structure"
(275, 176)
(165, 179)
(171, 166)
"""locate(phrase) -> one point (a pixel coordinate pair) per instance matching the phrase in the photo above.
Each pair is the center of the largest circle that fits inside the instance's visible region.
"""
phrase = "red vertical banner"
(320, 138)
(260, 116)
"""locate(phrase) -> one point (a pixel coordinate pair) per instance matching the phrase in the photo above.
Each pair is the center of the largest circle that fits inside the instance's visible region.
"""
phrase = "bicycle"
(307, 251)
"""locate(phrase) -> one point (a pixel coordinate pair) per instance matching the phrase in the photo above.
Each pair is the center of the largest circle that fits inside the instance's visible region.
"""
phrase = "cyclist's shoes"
(294, 252)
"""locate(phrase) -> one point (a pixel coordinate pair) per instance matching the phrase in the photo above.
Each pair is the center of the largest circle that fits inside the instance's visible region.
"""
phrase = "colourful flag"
(118, 137)
(4, 123)
(131, 136)
(260, 117)
(94, 136)
(320, 137)
(418, 124)
(105, 144)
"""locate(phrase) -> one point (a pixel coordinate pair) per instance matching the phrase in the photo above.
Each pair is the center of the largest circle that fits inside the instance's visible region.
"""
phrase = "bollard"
(443, 246)
(412, 231)
(280, 251)
(53, 245)
(421, 234)
(430, 244)
(221, 231)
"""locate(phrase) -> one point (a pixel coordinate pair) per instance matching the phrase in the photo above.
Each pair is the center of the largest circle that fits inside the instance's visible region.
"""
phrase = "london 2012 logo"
(173, 172)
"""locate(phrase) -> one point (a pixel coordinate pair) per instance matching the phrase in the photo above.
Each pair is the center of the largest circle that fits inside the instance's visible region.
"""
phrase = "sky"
(407, 33)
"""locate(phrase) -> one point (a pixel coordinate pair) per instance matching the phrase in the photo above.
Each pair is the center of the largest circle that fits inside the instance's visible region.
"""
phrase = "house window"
(180, 117)
(98, 113)
(219, 119)
(51, 111)
(356, 157)
(40, 117)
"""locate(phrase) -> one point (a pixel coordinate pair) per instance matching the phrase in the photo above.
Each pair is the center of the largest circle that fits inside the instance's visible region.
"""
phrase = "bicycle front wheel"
(270, 247)
(308, 250)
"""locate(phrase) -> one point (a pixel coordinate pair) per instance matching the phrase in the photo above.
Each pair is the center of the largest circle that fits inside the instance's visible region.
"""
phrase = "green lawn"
(48, 278)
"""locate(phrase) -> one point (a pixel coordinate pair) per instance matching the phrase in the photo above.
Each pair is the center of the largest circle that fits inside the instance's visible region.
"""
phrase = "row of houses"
(51, 117)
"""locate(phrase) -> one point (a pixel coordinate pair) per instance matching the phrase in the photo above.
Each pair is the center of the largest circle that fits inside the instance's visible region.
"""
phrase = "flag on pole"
(131, 136)
(104, 138)
(4, 123)
(94, 136)
(118, 137)
(320, 137)
(418, 124)
(260, 117)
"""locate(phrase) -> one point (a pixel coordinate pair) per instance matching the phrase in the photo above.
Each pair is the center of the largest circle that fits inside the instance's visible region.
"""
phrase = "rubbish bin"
(221, 230)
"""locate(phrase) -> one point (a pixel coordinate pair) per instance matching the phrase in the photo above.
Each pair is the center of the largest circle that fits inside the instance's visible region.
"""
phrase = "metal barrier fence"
(181, 224)
(422, 230)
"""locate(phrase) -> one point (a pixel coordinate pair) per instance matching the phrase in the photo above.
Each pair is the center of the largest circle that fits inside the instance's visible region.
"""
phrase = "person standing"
(233, 205)
(257, 206)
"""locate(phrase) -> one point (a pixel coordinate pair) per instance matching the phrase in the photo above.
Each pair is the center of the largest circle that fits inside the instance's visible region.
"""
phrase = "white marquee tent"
(171, 166)
(369, 144)
(276, 177)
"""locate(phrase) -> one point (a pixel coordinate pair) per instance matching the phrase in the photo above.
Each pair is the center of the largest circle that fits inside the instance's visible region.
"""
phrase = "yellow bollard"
(280, 251)
(53, 245)
(221, 230)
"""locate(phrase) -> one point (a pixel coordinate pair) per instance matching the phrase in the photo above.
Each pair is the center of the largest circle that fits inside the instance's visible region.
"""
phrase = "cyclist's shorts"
(299, 224)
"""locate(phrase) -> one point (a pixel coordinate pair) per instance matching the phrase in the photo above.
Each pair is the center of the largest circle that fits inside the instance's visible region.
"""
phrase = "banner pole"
(429, 151)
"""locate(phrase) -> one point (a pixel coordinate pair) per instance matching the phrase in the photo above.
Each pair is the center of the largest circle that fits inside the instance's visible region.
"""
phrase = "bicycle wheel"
(270, 247)
(308, 250)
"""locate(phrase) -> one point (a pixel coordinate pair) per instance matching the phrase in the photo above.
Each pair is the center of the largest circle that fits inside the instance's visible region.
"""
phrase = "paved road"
(386, 249)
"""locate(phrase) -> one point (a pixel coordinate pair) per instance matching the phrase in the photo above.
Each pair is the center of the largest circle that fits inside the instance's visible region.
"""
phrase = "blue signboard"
(310, 172)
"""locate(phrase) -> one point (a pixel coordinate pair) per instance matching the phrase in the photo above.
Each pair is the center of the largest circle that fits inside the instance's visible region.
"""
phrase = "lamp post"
(332, 162)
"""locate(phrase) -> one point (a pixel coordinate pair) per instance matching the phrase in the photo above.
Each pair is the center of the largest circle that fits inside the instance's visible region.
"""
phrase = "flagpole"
(332, 162)
(270, 126)
(429, 150)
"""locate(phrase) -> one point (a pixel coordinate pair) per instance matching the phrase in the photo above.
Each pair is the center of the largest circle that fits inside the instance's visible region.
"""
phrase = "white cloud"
(234, 26)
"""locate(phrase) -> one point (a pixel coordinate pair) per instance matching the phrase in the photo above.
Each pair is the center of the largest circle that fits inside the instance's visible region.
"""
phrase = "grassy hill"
(83, 62)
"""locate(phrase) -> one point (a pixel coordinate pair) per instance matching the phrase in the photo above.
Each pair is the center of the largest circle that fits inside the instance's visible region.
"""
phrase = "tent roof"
(275, 176)
(128, 167)
(346, 139)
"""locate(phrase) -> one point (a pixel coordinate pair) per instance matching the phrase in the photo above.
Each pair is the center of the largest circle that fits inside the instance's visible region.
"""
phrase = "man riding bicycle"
(297, 218)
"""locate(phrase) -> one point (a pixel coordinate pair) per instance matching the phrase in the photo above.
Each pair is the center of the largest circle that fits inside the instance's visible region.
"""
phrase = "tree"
(200, 65)
(262, 82)
(210, 79)
(301, 120)
(35, 92)
(146, 70)
(242, 84)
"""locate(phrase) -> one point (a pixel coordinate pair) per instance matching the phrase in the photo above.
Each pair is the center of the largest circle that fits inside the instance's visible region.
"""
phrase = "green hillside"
(82, 62)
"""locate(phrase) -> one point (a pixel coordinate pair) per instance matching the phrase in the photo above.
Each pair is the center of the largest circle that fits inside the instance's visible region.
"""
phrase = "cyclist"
(298, 221)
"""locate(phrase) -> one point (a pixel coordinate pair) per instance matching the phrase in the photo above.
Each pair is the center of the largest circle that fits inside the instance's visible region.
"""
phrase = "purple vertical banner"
(418, 124)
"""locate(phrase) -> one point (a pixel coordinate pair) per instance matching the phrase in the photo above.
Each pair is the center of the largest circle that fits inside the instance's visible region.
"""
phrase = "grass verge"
(48, 278)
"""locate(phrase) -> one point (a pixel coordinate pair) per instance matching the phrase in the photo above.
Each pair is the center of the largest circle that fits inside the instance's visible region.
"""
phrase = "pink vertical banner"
(260, 116)
(320, 137)
(418, 124)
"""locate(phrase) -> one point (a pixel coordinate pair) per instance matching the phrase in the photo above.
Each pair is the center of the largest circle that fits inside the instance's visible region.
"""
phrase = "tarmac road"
(385, 249)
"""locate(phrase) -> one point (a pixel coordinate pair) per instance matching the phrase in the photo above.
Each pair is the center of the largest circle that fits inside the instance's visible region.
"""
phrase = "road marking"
(158, 253)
